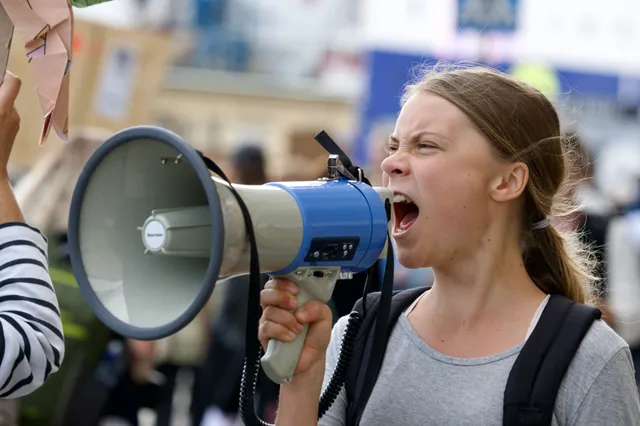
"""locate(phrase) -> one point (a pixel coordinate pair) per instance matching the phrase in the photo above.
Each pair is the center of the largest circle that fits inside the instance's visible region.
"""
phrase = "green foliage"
(86, 3)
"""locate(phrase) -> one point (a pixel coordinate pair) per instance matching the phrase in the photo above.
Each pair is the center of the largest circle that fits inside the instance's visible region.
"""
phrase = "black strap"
(252, 344)
(359, 361)
(369, 366)
(379, 338)
(537, 374)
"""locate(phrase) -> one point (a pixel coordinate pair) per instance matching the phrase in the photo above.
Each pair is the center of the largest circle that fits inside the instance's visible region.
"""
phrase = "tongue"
(408, 218)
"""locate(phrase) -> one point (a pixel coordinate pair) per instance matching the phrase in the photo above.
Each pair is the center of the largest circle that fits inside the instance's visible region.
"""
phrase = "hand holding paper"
(46, 27)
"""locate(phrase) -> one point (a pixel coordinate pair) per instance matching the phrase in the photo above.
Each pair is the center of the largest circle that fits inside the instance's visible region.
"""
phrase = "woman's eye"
(424, 146)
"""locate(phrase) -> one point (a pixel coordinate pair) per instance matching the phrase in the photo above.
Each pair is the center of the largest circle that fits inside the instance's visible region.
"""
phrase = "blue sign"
(488, 15)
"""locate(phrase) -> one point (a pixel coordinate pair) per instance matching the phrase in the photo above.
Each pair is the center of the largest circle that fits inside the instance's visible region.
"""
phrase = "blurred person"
(182, 351)
(592, 216)
(377, 152)
(478, 165)
(248, 165)
(128, 373)
(32, 343)
(623, 267)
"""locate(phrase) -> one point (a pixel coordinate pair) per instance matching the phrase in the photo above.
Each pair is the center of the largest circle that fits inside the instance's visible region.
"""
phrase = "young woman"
(478, 166)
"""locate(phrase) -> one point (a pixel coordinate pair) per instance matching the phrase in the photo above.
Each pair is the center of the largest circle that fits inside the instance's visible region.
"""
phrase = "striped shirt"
(31, 339)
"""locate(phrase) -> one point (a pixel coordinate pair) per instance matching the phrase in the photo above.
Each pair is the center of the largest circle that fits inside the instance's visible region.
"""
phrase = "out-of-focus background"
(249, 83)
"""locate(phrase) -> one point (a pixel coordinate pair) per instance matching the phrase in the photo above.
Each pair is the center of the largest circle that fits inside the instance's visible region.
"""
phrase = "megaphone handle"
(280, 360)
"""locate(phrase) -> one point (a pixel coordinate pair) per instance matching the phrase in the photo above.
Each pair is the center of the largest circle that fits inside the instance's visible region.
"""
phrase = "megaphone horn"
(143, 192)
(151, 231)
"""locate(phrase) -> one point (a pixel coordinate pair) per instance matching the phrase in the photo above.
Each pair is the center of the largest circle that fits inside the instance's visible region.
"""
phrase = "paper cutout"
(87, 3)
(47, 28)
(6, 34)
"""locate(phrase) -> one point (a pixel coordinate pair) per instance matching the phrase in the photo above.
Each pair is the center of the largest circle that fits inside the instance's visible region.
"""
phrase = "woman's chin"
(409, 258)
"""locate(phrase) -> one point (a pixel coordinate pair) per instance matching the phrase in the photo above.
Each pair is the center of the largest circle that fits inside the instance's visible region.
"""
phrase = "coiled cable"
(331, 392)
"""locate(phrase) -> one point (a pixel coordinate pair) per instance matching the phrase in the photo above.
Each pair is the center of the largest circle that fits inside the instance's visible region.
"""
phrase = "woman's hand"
(9, 120)
(282, 320)
(9, 125)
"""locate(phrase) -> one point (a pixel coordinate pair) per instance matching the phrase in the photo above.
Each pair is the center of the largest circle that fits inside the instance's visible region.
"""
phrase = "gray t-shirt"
(420, 386)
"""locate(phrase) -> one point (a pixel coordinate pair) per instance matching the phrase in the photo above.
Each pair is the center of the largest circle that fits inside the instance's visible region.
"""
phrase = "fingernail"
(299, 327)
(293, 289)
(300, 317)
(292, 335)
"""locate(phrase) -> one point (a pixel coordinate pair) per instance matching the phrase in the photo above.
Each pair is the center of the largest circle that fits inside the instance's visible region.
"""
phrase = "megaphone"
(151, 230)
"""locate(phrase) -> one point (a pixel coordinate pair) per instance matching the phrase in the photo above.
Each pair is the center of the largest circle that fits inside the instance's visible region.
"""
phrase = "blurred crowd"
(109, 380)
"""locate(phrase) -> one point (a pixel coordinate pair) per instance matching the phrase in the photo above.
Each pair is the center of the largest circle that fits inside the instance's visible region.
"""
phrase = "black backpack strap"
(537, 374)
(358, 389)
(357, 359)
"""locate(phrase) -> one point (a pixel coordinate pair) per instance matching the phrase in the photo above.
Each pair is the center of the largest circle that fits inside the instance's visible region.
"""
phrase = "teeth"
(401, 199)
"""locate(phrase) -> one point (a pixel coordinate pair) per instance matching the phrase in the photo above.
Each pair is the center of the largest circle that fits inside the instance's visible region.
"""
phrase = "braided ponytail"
(559, 264)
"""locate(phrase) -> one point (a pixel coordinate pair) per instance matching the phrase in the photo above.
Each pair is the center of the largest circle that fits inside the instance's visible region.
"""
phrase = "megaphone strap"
(252, 345)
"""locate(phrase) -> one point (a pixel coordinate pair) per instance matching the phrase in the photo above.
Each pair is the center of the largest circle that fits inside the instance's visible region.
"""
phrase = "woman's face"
(446, 168)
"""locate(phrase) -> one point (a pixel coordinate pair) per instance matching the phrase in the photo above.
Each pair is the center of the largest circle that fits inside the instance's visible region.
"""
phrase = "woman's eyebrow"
(419, 135)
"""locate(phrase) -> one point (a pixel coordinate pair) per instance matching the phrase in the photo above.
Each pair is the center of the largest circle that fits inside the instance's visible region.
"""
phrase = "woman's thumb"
(9, 90)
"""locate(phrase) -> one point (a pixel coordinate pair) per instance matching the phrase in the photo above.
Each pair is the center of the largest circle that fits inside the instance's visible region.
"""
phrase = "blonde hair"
(523, 125)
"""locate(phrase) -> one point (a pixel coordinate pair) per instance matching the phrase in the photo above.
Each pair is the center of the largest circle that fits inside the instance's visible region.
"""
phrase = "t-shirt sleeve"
(31, 339)
(336, 415)
(613, 397)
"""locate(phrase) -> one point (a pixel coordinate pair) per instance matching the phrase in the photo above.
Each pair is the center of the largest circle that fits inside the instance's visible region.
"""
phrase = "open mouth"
(405, 211)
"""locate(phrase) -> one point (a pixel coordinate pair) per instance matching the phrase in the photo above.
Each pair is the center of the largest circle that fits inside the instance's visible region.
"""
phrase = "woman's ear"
(510, 183)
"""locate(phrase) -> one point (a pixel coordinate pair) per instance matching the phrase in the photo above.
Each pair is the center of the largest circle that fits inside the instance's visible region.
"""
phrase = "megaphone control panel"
(332, 249)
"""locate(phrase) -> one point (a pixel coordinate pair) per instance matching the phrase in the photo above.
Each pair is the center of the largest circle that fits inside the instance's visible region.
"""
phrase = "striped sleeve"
(31, 339)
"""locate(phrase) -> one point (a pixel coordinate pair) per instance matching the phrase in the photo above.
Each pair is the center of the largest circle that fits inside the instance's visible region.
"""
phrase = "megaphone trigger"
(281, 358)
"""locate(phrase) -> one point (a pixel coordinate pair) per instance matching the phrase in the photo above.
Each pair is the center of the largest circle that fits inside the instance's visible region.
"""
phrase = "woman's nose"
(395, 165)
